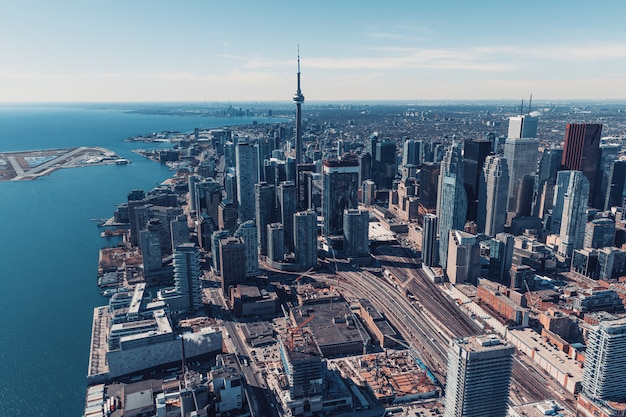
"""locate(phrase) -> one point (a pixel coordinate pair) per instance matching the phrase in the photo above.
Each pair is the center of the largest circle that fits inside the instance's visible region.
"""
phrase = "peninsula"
(29, 165)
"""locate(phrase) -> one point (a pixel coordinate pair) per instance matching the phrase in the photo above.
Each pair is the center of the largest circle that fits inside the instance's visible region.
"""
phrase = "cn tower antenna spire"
(299, 68)
(298, 99)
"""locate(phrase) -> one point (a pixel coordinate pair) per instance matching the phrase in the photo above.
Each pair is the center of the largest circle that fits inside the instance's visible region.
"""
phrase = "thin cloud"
(402, 59)
(44, 76)
(559, 52)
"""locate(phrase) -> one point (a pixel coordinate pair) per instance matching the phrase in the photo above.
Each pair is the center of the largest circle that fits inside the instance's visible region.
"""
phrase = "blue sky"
(140, 50)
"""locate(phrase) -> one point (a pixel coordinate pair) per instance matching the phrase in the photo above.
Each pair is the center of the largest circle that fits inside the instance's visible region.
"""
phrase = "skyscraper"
(208, 195)
(581, 151)
(191, 186)
(608, 156)
(385, 166)
(522, 126)
(275, 242)
(549, 165)
(429, 181)
(150, 245)
(451, 198)
(478, 378)
(521, 152)
(521, 155)
(615, 189)
(368, 192)
(232, 262)
(493, 191)
(475, 152)
(501, 257)
(247, 176)
(599, 233)
(287, 206)
(604, 375)
(179, 229)
(356, 242)
(463, 264)
(265, 207)
(411, 152)
(341, 185)
(569, 213)
(305, 238)
(430, 251)
(215, 249)
(248, 233)
(187, 275)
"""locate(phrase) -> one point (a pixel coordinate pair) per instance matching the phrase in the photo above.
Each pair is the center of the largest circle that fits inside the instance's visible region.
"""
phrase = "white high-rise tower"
(521, 150)
(492, 192)
(479, 374)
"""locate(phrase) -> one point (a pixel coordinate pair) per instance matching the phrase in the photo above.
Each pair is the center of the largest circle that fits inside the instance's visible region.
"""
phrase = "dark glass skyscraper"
(341, 185)
(429, 180)
(475, 152)
(615, 190)
(287, 206)
(581, 151)
(265, 208)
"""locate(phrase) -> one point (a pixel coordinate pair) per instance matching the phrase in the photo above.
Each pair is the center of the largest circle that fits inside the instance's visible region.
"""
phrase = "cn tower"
(298, 98)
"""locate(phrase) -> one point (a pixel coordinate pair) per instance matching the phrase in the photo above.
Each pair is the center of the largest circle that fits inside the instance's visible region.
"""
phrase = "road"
(256, 390)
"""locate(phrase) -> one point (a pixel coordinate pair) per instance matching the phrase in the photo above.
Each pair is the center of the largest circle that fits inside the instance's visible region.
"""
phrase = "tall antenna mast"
(530, 103)
(298, 99)
(521, 108)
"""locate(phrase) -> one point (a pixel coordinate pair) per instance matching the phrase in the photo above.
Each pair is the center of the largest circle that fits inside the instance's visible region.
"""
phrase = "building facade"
(478, 378)
(247, 231)
(451, 199)
(521, 155)
(265, 208)
(581, 151)
(430, 251)
(494, 187)
(233, 262)
(569, 213)
(305, 237)
(247, 176)
(287, 206)
(341, 186)
(604, 376)
(356, 242)
(187, 276)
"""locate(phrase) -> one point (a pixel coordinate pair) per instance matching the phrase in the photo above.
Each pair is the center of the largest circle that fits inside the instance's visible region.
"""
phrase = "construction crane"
(297, 280)
(402, 343)
(301, 325)
(293, 330)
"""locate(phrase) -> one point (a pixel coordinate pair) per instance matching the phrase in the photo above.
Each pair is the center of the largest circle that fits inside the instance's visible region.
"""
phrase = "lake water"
(49, 247)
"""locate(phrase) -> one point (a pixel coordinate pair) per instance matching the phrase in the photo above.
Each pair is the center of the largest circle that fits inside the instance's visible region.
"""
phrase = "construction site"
(391, 377)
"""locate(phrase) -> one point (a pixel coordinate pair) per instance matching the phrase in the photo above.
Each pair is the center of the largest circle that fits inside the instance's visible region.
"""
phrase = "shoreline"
(30, 165)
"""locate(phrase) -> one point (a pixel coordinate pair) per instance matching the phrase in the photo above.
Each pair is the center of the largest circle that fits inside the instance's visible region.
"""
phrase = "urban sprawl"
(411, 260)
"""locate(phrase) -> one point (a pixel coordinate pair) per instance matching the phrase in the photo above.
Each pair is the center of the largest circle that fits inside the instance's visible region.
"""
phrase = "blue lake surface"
(49, 247)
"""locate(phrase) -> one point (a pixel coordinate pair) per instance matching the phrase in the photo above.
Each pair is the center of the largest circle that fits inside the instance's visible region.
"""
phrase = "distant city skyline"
(247, 51)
